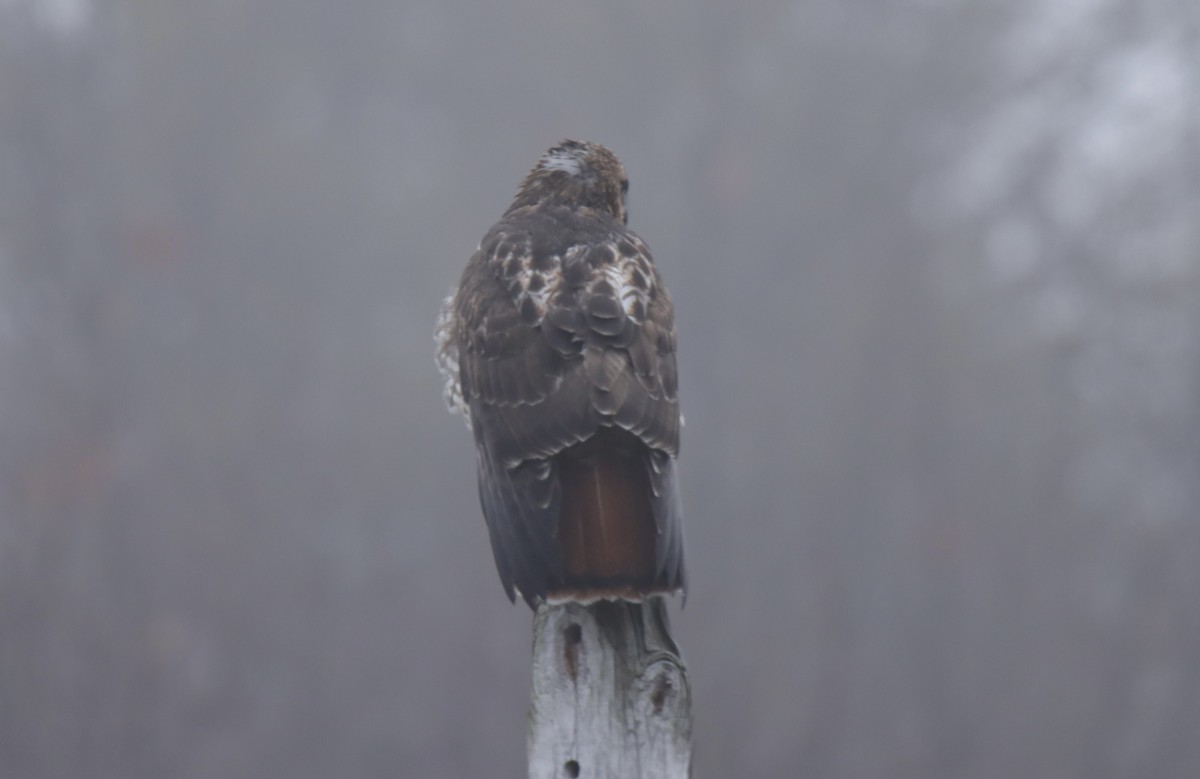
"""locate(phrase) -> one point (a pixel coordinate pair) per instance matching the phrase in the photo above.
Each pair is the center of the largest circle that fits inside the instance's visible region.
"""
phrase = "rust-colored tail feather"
(606, 529)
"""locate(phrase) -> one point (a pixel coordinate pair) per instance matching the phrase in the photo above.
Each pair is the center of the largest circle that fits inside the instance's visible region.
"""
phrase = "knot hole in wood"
(572, 638)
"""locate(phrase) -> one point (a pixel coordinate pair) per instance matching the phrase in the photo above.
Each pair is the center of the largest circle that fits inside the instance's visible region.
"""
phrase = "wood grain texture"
(611, 696)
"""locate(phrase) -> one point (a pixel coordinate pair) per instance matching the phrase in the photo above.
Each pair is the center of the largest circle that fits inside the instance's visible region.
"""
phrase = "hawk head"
(577, 174)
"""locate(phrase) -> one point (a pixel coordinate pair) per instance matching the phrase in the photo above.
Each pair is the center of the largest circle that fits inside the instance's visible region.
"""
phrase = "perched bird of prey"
(558, 347)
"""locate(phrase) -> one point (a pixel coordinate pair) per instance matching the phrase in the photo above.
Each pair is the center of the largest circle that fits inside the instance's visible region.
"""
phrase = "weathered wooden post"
(611, 696)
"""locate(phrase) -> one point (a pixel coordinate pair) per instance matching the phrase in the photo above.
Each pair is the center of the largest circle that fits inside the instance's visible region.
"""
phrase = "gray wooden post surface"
(611, 696)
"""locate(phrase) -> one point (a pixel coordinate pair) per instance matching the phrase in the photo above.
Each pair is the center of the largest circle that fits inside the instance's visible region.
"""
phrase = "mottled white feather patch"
(540, 294)
(630, 278)
(524, 281)
(625, 292)
(569, 160)
(447, 360)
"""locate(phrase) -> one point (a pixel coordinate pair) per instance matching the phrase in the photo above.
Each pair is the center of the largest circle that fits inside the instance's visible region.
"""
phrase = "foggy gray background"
(936, 269)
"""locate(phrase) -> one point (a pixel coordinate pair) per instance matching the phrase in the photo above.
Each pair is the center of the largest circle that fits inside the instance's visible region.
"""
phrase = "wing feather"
(520, 508)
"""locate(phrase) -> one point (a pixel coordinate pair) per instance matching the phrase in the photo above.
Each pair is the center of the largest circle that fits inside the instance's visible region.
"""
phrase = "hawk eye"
(625, 187)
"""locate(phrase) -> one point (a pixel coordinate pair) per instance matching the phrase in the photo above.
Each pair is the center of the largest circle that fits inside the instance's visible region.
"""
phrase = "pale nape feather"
(567, 160)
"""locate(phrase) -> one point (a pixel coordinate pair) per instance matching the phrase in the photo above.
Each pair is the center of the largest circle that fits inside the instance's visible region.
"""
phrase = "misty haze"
(936, 275)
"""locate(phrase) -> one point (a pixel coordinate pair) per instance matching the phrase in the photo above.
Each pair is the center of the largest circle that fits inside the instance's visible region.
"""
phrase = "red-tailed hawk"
(558, 347)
